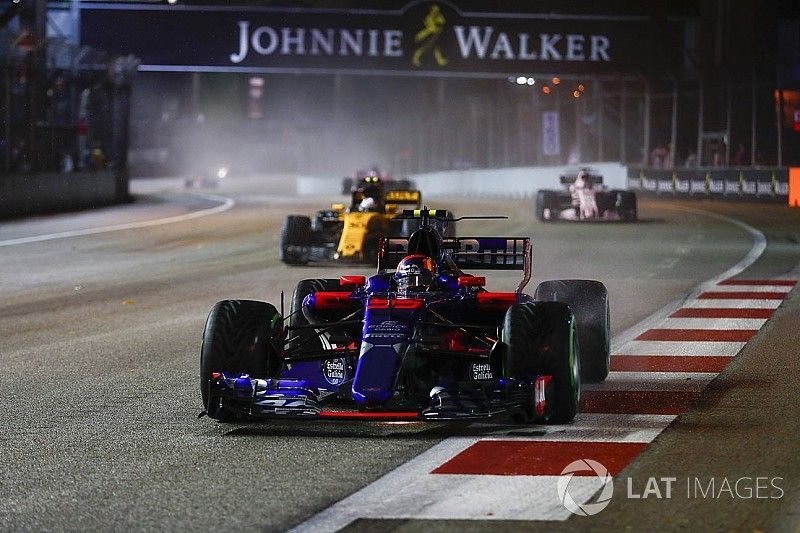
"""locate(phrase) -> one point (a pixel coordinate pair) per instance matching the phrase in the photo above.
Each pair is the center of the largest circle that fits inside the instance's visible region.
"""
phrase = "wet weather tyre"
(588, 300)
(296, 237)
(240, 337)
(307, 338)
(540, 339)
(546, 205)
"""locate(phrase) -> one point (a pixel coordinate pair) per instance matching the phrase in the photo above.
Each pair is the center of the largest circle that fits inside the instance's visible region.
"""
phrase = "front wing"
(253, 398)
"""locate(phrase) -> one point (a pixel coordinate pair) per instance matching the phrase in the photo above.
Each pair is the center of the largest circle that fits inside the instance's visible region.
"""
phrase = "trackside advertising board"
(423, 38)
(762, 184)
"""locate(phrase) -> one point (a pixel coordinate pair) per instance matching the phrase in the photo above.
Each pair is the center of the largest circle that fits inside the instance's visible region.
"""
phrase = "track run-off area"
(100, 327)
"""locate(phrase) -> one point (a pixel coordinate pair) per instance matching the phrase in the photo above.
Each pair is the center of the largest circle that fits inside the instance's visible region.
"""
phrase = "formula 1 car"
(584, 198)
(363, 178)
(419, 340)
(209, 178)
(352, 233)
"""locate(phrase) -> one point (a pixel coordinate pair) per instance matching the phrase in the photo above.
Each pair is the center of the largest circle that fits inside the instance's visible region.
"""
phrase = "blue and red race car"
(420, 339)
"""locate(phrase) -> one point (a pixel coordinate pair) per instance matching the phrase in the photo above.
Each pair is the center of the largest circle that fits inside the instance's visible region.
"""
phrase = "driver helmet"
(583, 180)
(415, 273)
(368, 204)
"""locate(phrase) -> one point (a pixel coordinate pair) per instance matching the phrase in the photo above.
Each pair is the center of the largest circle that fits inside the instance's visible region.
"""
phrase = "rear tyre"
(450, 227)
(240, 337)
(546, 205)
(406, 226)
(589, 302)
(296, 238)
(540, 339)
(307, 338)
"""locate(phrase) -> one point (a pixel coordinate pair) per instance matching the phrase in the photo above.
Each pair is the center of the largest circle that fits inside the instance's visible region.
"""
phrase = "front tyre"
(626, 206)
(547, 205)
(588, 300)
(540, 339)
(240, 337)
(296, 238)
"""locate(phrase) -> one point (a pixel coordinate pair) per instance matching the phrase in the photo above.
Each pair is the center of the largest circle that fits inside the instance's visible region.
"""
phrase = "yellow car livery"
(347, 233)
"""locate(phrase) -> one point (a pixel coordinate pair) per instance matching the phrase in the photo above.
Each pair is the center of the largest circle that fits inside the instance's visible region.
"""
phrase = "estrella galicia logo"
(335, 370)
(565, 481)
(427, 39)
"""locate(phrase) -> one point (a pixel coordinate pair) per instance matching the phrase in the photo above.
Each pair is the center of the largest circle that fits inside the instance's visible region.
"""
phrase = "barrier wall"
(794, 187)
(503, 182)
(742, 184)
(25, 195)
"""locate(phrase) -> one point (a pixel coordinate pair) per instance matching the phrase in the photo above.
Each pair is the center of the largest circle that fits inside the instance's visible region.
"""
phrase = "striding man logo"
(427, 39)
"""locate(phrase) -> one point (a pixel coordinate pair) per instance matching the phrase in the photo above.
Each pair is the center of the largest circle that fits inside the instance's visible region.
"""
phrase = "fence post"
(700, 98)
(646, 142)
(623, 96)
(753, 118)
(674, 132)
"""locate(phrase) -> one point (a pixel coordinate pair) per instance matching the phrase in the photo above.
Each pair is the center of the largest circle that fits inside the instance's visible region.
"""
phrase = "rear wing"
(469, 253)
(394, 184)
(569, 179)
(403, 196)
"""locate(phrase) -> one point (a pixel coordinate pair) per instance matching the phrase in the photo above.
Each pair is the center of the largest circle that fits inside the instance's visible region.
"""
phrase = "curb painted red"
(532, 458)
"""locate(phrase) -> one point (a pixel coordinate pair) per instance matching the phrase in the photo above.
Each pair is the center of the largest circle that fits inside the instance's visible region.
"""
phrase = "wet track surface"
(99, 341)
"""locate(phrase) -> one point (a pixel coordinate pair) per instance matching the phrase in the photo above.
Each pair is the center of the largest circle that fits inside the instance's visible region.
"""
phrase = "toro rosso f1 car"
(583, 197)
(352, 233)
(420, 339)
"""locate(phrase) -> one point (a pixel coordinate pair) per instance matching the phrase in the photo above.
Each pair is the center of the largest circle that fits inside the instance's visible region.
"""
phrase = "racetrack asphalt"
(99, 340)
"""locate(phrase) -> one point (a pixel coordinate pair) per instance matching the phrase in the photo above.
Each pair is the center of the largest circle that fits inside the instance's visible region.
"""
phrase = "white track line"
(667, 348)
(713, 323)
(653, 381)
(227, 203)
(722, 303)
(752, 288)
(591, 427)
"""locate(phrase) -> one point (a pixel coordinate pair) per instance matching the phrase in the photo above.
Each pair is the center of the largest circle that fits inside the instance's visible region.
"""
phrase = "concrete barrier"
(510, 182)
(502, 182)
(34, 194)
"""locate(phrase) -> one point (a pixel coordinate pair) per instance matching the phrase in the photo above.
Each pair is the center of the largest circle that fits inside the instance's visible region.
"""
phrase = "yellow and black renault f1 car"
(347, 233)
